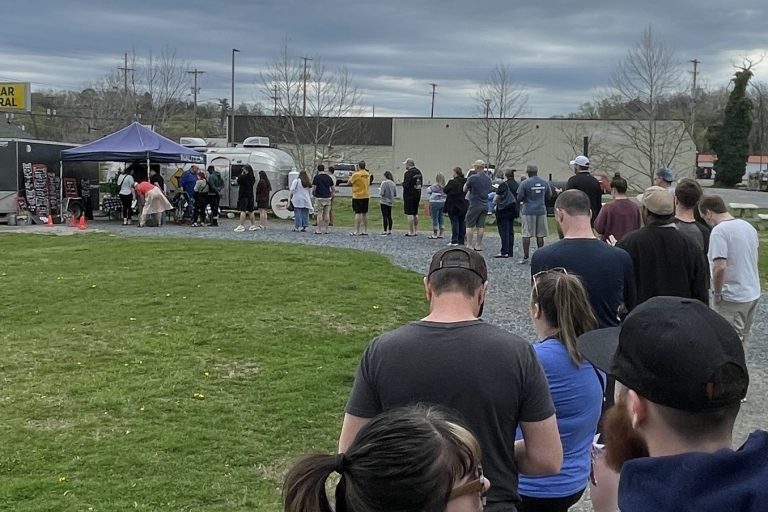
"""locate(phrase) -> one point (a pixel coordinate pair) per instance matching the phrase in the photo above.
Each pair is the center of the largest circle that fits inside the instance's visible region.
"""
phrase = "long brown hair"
(564, 304)
(304, 178)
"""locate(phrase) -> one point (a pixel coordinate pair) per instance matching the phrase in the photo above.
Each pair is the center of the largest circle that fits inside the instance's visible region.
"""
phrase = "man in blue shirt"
(187, 182)
(478, 186)
(532, 193)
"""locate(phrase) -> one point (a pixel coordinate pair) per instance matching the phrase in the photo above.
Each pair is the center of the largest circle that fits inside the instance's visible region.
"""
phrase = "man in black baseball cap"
(680, 377)
(452, 358)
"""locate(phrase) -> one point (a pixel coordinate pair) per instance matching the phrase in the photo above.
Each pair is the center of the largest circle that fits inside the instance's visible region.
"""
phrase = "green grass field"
(178, 374)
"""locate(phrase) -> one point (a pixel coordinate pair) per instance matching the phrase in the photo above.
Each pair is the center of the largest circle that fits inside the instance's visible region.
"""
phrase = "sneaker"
(501, 255)
(195, 225)
(239, 229)
(253, 228)
(383, 234)
(452, 244)
(524, 261)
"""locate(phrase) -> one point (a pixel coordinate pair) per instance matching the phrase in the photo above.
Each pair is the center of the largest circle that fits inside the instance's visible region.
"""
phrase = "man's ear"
(638, 408)
(427, 291)
(535, 311)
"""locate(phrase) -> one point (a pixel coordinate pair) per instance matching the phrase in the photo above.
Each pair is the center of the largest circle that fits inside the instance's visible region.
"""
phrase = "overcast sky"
(561, 52)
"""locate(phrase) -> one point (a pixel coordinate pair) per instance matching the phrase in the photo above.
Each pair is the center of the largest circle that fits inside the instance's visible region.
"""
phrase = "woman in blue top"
(560, 312)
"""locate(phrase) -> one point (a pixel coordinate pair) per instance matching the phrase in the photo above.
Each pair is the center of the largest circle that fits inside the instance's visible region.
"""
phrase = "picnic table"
(740, 209)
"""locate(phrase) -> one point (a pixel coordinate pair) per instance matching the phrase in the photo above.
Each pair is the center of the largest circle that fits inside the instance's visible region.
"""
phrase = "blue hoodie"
(727, 480)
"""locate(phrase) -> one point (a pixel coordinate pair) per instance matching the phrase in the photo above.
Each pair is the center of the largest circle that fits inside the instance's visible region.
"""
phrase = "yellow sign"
(175, 177)
(15, 96)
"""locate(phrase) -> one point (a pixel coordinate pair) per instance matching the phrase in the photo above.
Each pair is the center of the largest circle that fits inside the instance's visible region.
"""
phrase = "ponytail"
(565, 305)
(304, 487)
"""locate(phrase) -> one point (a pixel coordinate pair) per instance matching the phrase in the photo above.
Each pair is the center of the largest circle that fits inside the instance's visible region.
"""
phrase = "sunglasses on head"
(555, 270)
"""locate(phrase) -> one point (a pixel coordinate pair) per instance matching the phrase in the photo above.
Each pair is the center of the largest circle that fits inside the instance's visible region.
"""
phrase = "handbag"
(290, 206)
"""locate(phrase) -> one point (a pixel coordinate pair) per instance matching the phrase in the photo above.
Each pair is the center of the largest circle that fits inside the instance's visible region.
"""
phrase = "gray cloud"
(559, 51)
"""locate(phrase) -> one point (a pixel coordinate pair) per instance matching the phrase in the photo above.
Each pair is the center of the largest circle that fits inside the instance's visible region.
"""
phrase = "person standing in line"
(215, 186)
(263, 191)
(387, 193)
(688, 193)
(156, 179)
(302, 201)
(533, 192)
(412, 182)
(681, 374)
(201, 199)
(323, 190)
(584, 181)
(478, 186)
(451, 358)
(360, 181)
(665, 179)
(507, 210)
(733, 255)
(245, 200)
(665, 261)
(187, 182)
(125, 184)
(456, 206)
(620, 216)
(560, 313)
(437, 205)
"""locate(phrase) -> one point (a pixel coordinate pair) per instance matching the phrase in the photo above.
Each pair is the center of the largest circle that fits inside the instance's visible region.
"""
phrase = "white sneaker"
(239, 229)
(252, 228)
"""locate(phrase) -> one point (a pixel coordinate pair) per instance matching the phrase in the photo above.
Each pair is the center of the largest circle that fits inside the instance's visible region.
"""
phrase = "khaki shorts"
(534, 226)
(322, 205)
(739, 314)
(476, 216)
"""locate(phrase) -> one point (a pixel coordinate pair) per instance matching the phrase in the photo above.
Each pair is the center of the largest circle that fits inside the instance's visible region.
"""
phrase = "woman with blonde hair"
(561, 312)
(437, 205)
(413, 459)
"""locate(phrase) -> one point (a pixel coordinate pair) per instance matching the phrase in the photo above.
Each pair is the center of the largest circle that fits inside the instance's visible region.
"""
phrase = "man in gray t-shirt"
(533, 192)
(490, 377)
(477, 187)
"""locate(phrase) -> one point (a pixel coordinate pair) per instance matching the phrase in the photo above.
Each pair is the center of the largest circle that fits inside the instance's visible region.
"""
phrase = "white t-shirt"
(125, 181)
(301, 197)
(736, 241)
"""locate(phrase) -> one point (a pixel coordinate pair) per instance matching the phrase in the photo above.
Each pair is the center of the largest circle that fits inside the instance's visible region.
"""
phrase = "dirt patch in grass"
(236, 370)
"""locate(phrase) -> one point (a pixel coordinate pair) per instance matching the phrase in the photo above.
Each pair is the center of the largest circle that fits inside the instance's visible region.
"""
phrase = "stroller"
(181, 212)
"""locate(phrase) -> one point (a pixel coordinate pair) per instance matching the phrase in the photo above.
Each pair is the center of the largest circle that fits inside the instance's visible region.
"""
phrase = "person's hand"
(612, 240)
(718, 298)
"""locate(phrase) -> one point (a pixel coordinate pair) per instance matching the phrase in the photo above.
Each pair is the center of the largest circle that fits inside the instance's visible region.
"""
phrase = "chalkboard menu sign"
(42, 189)
(70, 187)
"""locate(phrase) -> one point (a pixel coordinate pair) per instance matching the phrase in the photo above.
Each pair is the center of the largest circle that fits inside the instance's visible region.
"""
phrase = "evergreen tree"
(731, 139)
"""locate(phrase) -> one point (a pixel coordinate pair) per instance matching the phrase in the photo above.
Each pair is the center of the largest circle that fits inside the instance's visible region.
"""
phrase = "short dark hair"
(510, 173)
(688, 192)
(619, 183)
(714, 204)
(331, 169)
(532, 170)
(320, 167)
(458, 280)
(573, 202)
(656, 218)
(361, 164)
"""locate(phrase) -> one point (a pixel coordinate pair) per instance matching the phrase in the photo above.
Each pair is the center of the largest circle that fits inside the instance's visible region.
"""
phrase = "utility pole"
(195, 90)
(304, 108)
(432, 113)
(231, 134)
(125, 69)
(695, 63)
(274, 98)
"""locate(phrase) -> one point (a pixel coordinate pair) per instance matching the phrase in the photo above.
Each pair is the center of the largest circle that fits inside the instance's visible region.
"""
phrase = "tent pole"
(61, 191)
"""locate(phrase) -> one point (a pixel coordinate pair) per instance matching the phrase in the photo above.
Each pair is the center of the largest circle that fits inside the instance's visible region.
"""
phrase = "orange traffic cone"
(72, 221)
(49, 222)
(83, 224)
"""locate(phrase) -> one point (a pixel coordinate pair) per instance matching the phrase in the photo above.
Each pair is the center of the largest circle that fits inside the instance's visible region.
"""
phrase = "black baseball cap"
(459, 257)
(670, 350)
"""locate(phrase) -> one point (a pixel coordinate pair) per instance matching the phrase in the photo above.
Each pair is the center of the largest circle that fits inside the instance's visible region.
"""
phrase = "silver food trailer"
(257, 152)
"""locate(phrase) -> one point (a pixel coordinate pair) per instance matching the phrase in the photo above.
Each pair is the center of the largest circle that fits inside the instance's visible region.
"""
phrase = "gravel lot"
(507, 303)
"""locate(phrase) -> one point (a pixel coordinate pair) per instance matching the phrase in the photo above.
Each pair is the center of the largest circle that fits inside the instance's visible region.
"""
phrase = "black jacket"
(455, 202)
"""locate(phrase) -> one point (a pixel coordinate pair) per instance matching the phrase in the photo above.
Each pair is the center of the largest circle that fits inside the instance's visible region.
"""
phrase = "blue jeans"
(458, 228)
(301, 218)
(505, 221)
(436, 209)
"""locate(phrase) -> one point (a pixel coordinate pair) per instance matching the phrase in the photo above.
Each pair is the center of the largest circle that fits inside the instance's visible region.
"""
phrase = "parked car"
(342, 172)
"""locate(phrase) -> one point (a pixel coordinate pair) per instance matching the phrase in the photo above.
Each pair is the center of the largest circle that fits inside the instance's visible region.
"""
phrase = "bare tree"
(759, 136)
(647, 76)
(572, 134)
(332, 102)
(499, 132)
(165, 84)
